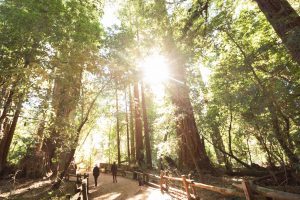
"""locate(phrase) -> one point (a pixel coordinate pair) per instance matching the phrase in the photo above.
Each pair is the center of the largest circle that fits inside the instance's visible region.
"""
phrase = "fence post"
(140, 179)
(186, 186)
(161, 180)
(144, 178)
(147, 178)
(192, 187)
(77, 178)
(167, 183)
(68, 196)
(87, 180)
(247, 190)
(84, 190)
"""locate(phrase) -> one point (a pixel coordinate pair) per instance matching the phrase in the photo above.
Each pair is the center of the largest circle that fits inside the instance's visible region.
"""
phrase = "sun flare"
(154, 69)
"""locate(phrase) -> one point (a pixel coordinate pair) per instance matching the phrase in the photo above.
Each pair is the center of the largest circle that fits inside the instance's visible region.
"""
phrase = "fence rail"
(82, 187)
(188, 187)
(244, 189)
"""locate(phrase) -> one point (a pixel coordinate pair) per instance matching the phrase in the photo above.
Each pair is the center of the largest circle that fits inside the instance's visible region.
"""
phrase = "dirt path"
(124, 189)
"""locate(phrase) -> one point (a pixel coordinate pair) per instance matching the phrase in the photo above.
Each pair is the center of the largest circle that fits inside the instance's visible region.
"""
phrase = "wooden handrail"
(221, 190)
(248, 190)
(186, 186)
(173, 178)
(153, 176)
(266, 192)
(83, 189)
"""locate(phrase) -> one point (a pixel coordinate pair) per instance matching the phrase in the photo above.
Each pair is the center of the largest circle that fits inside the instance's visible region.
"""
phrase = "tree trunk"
(138, 127)
(6, 107)
(236, 159)
(192, 147)
(249, 151)
(118, 128)
(8, 136)
(127, 127)
(70, 155)
(279, 135)
(286, 23)
(271, 105)
(186, 126)
(3, 94)
(229, 131)
(274, 119)
(131, 124)
(41, 127)
(146, 128)
(109, 145)
(40, 134)
(66, 94)
(218, 144)
(262, 141)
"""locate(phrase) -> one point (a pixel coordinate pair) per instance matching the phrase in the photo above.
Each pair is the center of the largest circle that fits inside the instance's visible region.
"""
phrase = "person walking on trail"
(96, 173)
(114, 171)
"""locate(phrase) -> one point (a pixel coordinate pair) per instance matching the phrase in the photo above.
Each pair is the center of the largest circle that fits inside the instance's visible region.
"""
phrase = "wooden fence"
(82, 187)
(187, 187)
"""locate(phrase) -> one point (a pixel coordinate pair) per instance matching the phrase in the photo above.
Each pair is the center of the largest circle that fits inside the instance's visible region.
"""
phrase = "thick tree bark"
(66, 94)
(70, 156)
(286, 23)
(215, 138)
(3, 94)
(127, 127)
(42, 124)
(7, 139)
(192, 147)
(229, 131)
(131, 124)
(146, 128)
(193, 152)
(118, 128)
(6, 107)
(138, 127)
(40, 134)
(218, 144)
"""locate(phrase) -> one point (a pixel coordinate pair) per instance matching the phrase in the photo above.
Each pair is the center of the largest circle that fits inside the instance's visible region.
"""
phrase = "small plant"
(13, 180)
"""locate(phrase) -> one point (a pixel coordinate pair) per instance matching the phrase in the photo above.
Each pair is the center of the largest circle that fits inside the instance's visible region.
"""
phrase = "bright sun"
(155, 69)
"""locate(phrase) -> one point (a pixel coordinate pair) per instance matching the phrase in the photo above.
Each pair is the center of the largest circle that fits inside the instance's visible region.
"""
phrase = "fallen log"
(248, 172)
(266, 192)
(268, 176)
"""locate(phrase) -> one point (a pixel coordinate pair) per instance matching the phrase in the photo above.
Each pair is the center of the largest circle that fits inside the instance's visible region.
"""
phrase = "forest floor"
(32, 189)
(129, 189)
(107, 190)
(123, 189)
